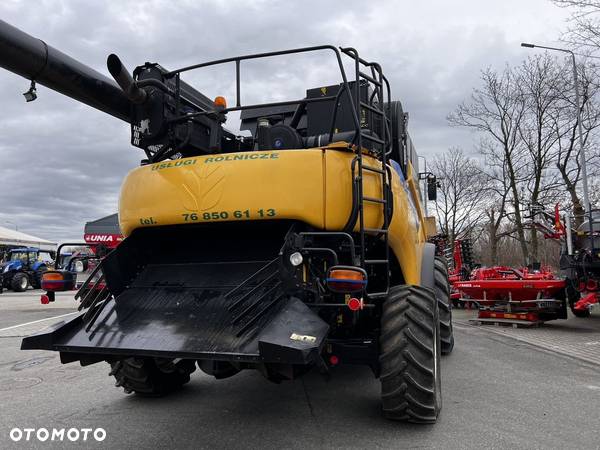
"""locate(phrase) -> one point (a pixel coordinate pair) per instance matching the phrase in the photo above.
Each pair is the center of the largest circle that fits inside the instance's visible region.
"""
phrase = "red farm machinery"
(83, 258)
(534, 294)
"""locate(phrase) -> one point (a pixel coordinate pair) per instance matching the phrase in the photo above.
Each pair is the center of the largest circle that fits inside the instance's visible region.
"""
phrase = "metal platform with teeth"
(233, 311)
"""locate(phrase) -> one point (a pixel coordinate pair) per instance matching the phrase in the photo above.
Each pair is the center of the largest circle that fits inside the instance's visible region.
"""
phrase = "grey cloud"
(62, 164)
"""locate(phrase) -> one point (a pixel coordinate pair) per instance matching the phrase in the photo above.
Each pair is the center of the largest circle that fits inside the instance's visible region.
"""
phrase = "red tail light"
(355, 304)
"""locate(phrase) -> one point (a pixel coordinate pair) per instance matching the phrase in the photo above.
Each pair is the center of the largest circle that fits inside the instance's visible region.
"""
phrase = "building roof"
(105, 225)
(14, 238)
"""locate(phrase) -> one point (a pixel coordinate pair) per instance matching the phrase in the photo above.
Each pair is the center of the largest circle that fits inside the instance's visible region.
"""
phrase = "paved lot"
(499, 392)
(17, 308)
(575, 337)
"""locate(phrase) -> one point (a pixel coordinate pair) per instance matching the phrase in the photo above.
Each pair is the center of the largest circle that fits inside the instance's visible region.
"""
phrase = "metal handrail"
(375, 103)
(238, 59)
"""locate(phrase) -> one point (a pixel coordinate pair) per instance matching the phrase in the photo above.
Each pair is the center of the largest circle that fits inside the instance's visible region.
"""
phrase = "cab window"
(44, 256)
(15, 256)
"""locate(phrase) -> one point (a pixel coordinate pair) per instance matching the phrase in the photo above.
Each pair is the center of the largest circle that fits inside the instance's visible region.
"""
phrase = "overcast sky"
(61, 163)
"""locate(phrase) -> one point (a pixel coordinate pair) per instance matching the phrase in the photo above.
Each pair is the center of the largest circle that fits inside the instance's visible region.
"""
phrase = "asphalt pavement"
(499, 391)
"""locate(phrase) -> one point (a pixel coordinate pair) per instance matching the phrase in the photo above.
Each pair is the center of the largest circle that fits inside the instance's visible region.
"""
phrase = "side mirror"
(80, 266)
(432, 187)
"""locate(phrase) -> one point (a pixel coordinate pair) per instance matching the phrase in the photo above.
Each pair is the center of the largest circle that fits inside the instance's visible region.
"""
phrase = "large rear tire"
(19, 282)
(151, 377)
(410, 354)
(442, 295)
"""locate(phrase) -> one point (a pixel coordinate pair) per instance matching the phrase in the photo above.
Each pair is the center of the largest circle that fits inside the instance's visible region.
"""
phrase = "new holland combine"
(300, 245)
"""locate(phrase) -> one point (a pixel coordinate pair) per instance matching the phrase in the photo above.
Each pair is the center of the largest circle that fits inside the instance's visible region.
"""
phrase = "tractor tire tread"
(410, 383)
(16, 283)
(442, 294)
(147, 377)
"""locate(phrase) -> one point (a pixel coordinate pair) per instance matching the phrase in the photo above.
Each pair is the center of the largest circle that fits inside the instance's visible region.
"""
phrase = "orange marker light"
(220, 102)
(346, 279)
(52, 276)
(53, 281)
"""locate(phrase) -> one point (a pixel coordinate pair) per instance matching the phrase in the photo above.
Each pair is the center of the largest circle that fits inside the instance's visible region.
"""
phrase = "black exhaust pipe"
(125, 80)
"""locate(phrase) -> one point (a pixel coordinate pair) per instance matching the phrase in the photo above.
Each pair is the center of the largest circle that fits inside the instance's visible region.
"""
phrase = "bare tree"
(497, 109)
(541, 84)
(498, 190)
(584, 24)
(583, 34)
(461, 193)
(528, 120)
(567, 153)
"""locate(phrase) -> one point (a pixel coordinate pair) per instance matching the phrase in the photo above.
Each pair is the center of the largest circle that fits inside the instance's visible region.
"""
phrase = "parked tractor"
(579, 256)
(580, 262)
(24, 267)
(301, 244)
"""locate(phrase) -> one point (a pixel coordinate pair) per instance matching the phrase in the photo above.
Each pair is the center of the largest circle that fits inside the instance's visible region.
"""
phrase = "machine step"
(372, 109)
(375, 230)
(375, 200)
(373, 169)
(373, 138)
(370, 78)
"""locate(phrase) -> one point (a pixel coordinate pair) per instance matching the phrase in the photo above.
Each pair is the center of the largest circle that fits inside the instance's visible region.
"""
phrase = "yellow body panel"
(310, 185)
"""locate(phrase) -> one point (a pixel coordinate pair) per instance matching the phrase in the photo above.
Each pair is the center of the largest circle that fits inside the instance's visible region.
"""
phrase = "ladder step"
(375, 230)
(373, 169)
(372, 108)
(372, 138)
(376, 261)
(378, 294)
(370, 78)
(375, 200)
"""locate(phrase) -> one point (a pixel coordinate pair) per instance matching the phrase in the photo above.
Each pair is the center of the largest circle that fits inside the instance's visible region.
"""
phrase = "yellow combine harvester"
(300, 245)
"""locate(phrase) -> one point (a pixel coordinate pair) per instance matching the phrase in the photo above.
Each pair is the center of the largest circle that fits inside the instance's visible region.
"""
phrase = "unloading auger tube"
(303, 245)
(35, 60)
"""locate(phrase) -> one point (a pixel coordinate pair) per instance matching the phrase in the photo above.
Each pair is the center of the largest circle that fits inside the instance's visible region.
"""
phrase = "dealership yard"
(502, 387)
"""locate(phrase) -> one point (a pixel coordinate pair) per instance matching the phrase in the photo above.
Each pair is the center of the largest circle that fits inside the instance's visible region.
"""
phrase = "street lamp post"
(425, 199)
(582, 159)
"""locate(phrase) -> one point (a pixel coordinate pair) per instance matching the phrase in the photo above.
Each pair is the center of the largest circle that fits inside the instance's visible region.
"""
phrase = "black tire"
(19, 282)
(410, 354)
(151, 377)
(582, 314)
(218, 369)
(37, 279)
(573, 296)
(442, 295)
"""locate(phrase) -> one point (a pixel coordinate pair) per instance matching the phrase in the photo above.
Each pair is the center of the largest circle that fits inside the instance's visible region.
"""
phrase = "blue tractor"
(23, 267)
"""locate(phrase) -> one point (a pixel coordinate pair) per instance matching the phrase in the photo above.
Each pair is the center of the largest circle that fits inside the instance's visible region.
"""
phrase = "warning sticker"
(303, 338)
